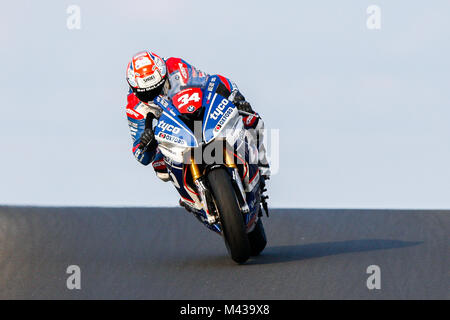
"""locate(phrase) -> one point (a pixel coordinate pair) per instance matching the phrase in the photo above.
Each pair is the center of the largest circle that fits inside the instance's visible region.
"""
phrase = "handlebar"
(244, 113)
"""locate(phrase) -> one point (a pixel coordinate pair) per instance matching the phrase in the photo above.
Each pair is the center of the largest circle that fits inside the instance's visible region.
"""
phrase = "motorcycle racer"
(149, 76)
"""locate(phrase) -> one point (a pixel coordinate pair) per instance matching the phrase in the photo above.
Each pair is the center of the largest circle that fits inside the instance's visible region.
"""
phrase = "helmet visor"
(147, 95)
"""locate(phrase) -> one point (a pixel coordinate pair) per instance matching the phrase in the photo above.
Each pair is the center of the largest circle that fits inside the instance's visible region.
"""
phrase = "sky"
(363, 114)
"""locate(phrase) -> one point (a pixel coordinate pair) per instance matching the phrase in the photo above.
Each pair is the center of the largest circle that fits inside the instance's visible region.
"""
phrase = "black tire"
(257, 239)
(231, 218)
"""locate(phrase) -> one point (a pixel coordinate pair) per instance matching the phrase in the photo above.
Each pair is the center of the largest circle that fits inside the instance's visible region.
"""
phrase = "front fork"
(229, 162)
(204, 193)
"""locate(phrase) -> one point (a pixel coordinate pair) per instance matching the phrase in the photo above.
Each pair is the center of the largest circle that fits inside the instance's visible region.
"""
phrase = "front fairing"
(219, 113)
(220, 117)
(173, 136)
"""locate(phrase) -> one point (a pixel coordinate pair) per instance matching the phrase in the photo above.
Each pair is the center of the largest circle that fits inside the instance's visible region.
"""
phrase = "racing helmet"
(146, 75)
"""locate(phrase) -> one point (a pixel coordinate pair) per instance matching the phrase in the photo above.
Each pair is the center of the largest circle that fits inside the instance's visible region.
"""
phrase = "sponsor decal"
(171, 138)
(134, 114)
(142, 108)
(162, 101)
(224, 118)
(183, 70)
(131, 77)
(188, 100)
(140, 54)
(219, 110)
(171, 112)
(161, 66)
(149, 78)
(168, 127)
(149, 82)
(159, 164)
(142, 62)
(132, 124)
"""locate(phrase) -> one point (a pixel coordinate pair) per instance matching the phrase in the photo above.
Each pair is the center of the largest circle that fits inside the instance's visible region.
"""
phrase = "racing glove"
(244, 106)
(241, 104)
(148, 136)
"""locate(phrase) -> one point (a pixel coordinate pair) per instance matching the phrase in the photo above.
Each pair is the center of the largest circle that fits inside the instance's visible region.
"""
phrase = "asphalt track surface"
(165, 253)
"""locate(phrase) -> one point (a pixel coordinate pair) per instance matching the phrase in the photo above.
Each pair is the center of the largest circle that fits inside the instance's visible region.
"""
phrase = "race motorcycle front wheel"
(230, 216)
(257, 239)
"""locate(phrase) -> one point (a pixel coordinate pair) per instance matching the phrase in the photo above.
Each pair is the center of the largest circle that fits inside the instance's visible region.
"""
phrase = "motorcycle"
(212, 162)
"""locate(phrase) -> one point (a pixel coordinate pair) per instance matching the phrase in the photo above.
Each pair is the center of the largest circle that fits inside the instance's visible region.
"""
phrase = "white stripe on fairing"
(212, 102)
(207, 116)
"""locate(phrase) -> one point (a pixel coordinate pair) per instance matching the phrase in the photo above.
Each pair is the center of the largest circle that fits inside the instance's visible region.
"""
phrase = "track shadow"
(316, 250)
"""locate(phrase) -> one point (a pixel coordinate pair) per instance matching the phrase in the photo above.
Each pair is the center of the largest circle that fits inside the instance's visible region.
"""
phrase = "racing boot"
(160, 167)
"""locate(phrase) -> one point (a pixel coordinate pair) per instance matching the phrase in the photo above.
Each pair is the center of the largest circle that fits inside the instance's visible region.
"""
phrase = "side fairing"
(173, 131)
(218, 111)
(172, 135)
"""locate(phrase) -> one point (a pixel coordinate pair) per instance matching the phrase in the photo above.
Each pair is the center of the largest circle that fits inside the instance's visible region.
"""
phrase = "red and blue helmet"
(146, 75)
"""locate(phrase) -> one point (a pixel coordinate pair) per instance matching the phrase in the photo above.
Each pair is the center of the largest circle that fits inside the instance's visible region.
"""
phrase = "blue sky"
(363, 114)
